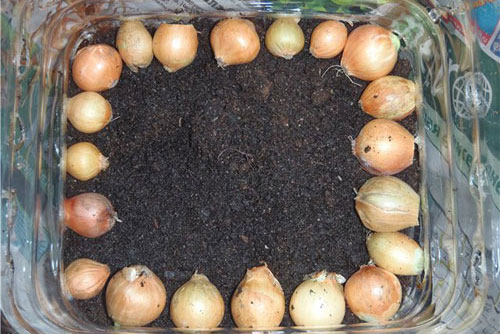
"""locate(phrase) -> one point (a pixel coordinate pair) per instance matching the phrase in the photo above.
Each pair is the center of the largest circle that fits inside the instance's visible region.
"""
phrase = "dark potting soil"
(219, 170)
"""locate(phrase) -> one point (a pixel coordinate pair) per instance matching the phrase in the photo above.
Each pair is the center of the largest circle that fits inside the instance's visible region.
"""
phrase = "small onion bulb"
(373, 294)
(97, 68)
(319, 300)
(175, 45)
(389, 97)
(135, 296)
(396, 252)
(383, 147)
(90, 214)
(234, 41)
(85, 278)
(258, 301)
(84, 161)
(135, 44)
(328, 39)
(370, 52)
(387, 204)
(89, 112)
(285, 38)
(197, 304)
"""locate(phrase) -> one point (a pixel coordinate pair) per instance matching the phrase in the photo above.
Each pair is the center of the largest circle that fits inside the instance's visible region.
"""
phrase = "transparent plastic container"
(458, 126)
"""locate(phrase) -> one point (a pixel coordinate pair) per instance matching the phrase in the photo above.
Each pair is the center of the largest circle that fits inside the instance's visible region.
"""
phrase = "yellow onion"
(370, 52)
(319, 300)
(135, 296)
(84, 161)
(97, 68)
(90, 214)
(197, 304)
(328, 39)
(89, 112)
(175, 45)
(373, 294)
(234, 41)
(387, 204)
(85, 278)
(135, 44)
(383, 147)
(390, 97)
(285, 38)
(258, 301)
(395, 252)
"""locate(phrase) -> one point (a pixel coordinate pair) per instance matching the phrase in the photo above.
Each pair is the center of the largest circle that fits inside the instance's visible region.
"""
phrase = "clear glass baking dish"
(460, 220)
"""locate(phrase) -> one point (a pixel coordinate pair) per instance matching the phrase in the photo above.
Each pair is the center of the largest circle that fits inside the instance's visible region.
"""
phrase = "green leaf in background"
(342, 2)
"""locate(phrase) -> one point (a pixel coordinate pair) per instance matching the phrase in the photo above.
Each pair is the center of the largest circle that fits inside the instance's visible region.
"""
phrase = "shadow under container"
(459, 288)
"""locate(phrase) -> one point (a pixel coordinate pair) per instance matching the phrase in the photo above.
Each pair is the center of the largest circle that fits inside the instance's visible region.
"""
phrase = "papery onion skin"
(373, 294)
(135, 45)
(89, 112)
(258, 301)
(387, 204)
(328, 39)
(389, 97)
(175, 45)
(135, 296)
(197, 304)
(395, 252)
(90, 214)
(234, 41)
(85, 278)
(84, 161)
(284, 38)
(318, 301)
(383, 147)
(97, 68)
(370, 52)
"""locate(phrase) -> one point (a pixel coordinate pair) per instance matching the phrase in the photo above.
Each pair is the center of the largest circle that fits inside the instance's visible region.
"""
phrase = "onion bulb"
(84, 161)
(175, 45)
(135, 44)
(328, 39)
(135, 296)
(89, 112)
(390, 97)
(387, 204)
(285, 38)
(258, 301)
(319, 300)
(373, 294)
(395, 252)
(90, 214)
(383, 147)
(197, 304)
(234, 41)
(85, 278)
(97, 68)
(370, 52)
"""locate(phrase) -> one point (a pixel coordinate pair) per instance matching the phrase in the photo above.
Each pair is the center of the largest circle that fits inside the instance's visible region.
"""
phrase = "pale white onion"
(319, 300)
(387, 204)
(197, 304)
(88, 112)
(135, 44)
(84, 161)
(395, 252)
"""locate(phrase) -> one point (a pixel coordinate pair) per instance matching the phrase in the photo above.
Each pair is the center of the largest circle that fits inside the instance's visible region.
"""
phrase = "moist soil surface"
(219, 170)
